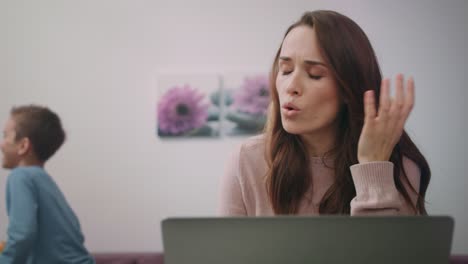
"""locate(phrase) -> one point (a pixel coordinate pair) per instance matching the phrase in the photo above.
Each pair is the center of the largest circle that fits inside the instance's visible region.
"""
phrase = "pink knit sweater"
(243, 191)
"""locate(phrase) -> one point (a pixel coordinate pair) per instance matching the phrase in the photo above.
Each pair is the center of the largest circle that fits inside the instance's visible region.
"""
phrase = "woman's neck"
(319, 144)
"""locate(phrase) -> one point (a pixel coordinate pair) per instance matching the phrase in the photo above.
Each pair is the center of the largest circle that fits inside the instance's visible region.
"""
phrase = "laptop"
(296, 239)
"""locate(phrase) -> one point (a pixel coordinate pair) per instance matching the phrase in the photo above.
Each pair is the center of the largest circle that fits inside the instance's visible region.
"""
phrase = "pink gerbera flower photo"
(181, 110)
(253, 96)
(250, 99)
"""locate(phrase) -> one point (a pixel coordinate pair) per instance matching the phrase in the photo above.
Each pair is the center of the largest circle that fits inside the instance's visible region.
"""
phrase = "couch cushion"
(128, 258)
(459, 259)
(158, 258)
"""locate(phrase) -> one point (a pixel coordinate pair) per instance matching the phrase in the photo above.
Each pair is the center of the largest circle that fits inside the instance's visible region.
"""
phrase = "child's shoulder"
(25, 174)
(30, 170)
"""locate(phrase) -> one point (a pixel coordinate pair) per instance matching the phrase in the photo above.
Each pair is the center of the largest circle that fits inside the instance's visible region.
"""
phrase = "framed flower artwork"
(246, 103)
(188, 105)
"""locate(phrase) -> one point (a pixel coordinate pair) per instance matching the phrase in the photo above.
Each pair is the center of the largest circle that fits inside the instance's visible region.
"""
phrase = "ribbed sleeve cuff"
(375, 176)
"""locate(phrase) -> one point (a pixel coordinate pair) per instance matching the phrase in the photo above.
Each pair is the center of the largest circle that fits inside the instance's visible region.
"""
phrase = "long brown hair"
(353, 63)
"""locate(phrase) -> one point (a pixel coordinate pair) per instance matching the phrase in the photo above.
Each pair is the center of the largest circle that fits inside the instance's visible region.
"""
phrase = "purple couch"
(129, 258)
(158, 258)
(459, 259)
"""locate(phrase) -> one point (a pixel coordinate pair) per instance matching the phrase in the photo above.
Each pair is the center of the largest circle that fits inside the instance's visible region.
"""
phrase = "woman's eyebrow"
(308, 62)
(314, 63)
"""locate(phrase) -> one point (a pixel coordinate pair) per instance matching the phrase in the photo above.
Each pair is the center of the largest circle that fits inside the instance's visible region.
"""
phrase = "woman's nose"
(294, 85)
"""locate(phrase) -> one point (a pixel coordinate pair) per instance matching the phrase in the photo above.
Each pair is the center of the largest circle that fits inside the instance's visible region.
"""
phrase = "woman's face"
(307, 90)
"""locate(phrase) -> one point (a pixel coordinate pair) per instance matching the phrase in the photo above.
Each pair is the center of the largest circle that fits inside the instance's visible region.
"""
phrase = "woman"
(334, 142)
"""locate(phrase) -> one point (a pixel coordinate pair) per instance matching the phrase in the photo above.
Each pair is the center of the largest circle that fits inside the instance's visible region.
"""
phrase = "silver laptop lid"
(322, 239)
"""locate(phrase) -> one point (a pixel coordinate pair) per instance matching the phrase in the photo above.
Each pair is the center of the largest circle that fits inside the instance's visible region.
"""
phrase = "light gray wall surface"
(95, 63)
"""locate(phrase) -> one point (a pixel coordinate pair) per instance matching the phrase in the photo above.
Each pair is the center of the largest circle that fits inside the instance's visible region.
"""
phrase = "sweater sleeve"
(376, 193)
(231, 202)
(22, 210)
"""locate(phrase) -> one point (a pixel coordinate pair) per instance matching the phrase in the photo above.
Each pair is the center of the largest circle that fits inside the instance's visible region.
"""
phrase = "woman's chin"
(293, 129)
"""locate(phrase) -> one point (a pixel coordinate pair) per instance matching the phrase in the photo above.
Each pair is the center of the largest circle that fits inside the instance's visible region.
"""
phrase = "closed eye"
(285, 72)
(315, 77)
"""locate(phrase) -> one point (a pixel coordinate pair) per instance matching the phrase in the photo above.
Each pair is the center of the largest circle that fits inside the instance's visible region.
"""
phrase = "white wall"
(95, 63)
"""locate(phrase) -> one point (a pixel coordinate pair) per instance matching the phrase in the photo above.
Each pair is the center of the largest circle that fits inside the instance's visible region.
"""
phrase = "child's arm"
(22, 209)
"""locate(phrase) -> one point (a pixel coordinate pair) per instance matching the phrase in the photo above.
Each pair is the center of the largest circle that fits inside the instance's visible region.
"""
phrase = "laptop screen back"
(322, 239)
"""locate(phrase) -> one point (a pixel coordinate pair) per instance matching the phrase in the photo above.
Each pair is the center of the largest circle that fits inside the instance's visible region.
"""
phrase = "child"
(43, 228)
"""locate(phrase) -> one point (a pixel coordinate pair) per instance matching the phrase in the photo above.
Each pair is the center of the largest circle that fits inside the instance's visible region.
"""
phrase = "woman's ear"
(24, 146)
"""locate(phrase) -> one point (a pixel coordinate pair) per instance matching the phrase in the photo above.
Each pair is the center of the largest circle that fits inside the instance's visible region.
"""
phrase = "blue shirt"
(43, 228)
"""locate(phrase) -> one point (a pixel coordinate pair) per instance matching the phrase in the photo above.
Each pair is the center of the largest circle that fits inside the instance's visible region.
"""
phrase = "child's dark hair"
(41, 126)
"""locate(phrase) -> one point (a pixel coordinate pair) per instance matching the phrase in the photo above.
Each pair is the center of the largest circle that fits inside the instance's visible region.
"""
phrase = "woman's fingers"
(399, 101)
(369, 105)
(383, 126)
(408, 103)
(385, 101)
(409, 98)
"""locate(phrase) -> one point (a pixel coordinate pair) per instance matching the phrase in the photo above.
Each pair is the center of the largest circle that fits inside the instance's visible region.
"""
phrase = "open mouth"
(290, 107)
